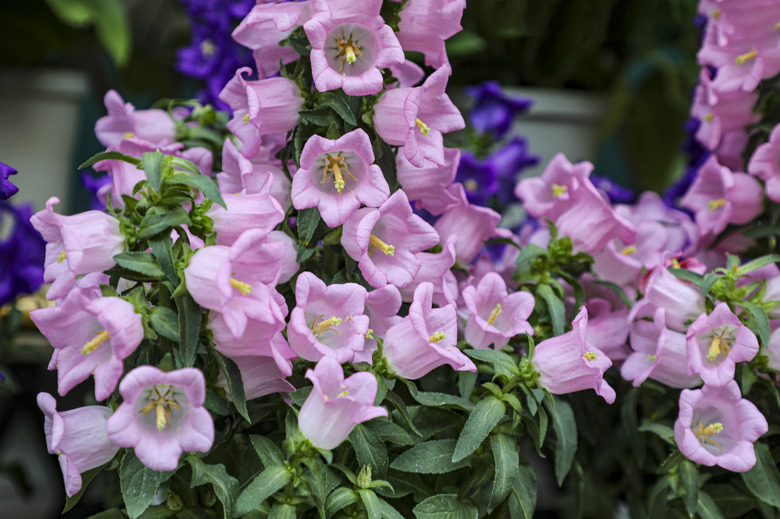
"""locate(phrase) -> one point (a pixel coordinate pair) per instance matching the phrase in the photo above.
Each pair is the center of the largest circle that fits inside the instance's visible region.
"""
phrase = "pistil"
(325, 325)
(558, 190)
(703, 433)
(242, 287)
(494, 314)
(716, 204)
(376, 243)
(437, 337)
(338, 166)
(590, 355)
(718, 347)
(424, 128)
(95, 342)
(348, 52)
(161, 403)
(750, 55)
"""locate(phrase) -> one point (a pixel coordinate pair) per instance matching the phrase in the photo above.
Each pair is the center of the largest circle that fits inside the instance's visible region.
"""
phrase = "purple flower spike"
(425, 339)
(336, 405)
(78, 437)
(6, 188)
(328, 321)
(336, 176)
(496, 316)
(716, 342)
(716, 426)
(569, 363)
(162, 416)
(493, 110)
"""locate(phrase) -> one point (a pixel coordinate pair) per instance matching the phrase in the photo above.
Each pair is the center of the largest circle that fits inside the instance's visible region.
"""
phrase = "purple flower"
(336, 405)
(569, 363)
(162, 415)
(617, 194)
(98, 188)
(494, 111)
(6, 188)
(78, 437)
(478, 178)
(716, 426)
(22, 253)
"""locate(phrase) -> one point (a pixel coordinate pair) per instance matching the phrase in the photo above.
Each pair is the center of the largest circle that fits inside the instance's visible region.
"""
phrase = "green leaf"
(270, 453)
(371, 502)
(152, 164)
(506, 462)
(225, 486)
(340, 499)
(445, 506)
(390, 432)
(524, 492)
(662, 431)
(86, 479)
(431, 457)
(688, 275)
(466, 382)
(317, 480)
(299, 396)
(202, 183)
(139, 484)
(320, 116)
(482, 419)
(566, 432)
(709, 281)
(369, 449)
(340, 103)
(758, 263)
(112, 513)
(554, 306)
(308, 221)
(762, 321)
(387, 510)
(628, 414)
(528, 253)
(154, 224)
(110, 155)
(165, 322)
(689, 476)
(385, 159)
(707, 509)
(261, 488)
(502, 363)
(141, 262)
(283, 511)
(433, 399)
(161, 248)
(763, 480)
(234, 381)
(394, 399)
(189, 328)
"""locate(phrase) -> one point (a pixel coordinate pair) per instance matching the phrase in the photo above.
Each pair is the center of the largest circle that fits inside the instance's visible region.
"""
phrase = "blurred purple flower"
(6, 188)
(22, 254)
(493, 110)
(93, 185)
(617, 194)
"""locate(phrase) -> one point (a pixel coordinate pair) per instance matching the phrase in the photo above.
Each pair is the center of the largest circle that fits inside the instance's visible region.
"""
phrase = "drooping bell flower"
(258, 340)
(550, 195)
(382, 306)
(349, 46)
(240, 173)
(91, 335)
(337, 176)
(495, 315)
(569, 363)
(436, 271)
(426, 24)
(328, 320)
(425, 339)
(78, 438)
(716, 342)
(261, 376)
(608, 327)
(246, 211)
(682, 301)
(336, 405)
(385, 241)
(494, 111)
(764, 164)
(416, 118)
(472, 224)
(716, 426)
(7, 189)
(78, 244)
(428, 184)
(238, 280)
(125, 122)
(162, 415)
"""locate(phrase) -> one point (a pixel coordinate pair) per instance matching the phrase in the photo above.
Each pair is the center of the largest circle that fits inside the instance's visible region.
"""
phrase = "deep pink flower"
(495, 315)
(350, 43)
(124, 122)
(385, 241)
(336, 176)
(162, 415)
(91, 335)
(78, 244)
(336, 405)
(716, 342)
(78, 437)
(716, 426)
(569, 363)
(425, 339)
(328, 320)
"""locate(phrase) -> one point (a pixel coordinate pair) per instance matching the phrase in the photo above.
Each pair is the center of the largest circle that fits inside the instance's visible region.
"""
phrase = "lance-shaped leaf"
(481, 421)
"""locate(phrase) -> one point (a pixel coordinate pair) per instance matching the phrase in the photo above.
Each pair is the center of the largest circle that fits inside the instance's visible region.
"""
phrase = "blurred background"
(611, 81)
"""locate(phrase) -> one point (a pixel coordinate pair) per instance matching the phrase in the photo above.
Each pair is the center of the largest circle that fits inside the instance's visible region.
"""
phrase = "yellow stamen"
(777, 26)
(343, 393)
(379, 244)
(424, 128)
(348, 52)
(162, 404)
(709, 117)
(652, 358)
(470, 185)
(325, 325)
(716, 204)
(95, 342)
(590, 355)
(675, 263)
(742, 58)
(207, 48)
(628, 251)
(128, 135)
(246, 118)
(437, 337)
(61, 257)
(703, 433)
(558, 190)
(163, 416)
(336, 164)
(494, 314)
(716, 13)
(718, 347)
(242, 287)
